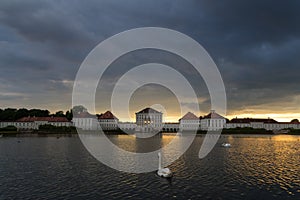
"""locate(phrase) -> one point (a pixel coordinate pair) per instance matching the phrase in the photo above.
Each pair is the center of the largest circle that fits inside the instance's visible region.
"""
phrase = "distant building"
(29, 123)
(108, 121)
(171, 127)
(189, 122)
(127, 126)
(6, 123)
(268, 124)
(213, 121)
(85, 121)
(249, 122)
(148, 120)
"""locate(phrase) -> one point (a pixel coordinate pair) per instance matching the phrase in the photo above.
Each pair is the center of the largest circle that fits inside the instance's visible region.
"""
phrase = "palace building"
(148, 120)
(151, 120)
(212, 122)
(189, 122)
(33, 123)
(108, 121)
(85, 121)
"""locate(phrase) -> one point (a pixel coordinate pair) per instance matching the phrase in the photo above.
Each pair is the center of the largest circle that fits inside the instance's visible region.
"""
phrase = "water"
(255, 167)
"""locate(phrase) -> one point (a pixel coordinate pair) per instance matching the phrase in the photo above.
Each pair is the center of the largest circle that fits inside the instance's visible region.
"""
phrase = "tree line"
(11, 114)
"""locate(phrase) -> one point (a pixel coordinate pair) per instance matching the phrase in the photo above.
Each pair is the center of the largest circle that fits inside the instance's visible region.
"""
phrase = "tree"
(69, 115)
(78, 109)
(295, 121)
(59, 114)
(23, 112)
(8, 114)
(39, 113)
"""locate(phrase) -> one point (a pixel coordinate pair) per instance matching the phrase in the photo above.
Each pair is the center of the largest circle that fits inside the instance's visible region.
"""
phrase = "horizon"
(175, 118)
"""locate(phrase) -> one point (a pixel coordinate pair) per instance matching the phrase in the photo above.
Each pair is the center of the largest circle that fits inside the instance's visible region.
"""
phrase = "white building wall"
(267, 126)
(33, 125)
(5, 124)
(109, 124)
(212, 124)
(171, 127)
(189, 125)
(148, 121)
(127, 126)
(86, 123)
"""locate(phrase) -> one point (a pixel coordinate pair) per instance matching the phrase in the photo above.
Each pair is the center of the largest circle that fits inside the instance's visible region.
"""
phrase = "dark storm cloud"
(254, 43)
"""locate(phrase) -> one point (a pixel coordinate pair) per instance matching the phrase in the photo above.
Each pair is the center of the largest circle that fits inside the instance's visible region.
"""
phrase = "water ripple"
(47, 168)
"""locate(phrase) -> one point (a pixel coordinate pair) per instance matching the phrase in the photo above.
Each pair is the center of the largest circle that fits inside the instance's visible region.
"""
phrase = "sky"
(255, 45)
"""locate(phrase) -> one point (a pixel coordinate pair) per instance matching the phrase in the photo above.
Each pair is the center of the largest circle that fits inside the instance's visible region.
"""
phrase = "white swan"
(163, 172)
(226, 145)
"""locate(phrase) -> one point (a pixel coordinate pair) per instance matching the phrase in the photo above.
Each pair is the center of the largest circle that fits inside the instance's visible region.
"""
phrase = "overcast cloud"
(255, 45)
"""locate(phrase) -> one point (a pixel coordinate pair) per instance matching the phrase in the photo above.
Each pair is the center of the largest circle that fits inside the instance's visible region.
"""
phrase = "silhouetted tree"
(8, 114)
(69, 115)
(59, 114)
(78, 109)
(39, 113)
(295, 121)
(23, 112)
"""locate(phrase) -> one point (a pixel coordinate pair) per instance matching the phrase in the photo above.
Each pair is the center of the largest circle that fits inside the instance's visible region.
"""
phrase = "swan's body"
(163, 172)
(226, 145)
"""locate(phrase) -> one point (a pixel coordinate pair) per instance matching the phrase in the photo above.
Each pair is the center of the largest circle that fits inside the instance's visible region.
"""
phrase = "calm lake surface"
(255, 167)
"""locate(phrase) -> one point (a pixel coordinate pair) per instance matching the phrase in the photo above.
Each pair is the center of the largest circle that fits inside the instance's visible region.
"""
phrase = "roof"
(213, 115)
(189, 116)
(48, 119)
(83, 115)
(249, 120)
(107, 115)
(149, 110)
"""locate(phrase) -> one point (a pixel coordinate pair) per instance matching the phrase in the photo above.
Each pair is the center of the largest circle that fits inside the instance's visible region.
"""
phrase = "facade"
(29, 123)
(268, 124)
(148, 120)
(6, 123)
(189, 122)
(171, 127)
(108, 121)
(85, 121)
(212, 122)
(127, 126)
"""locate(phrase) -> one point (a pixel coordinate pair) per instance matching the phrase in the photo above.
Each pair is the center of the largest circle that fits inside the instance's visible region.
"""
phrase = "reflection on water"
(133, 154)
(255, 167)
(269, 162)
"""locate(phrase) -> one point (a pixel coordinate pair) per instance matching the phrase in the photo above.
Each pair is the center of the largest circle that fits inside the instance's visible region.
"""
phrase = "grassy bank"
(294, 131)
(245, 130)
(50, 129)
(8, 131)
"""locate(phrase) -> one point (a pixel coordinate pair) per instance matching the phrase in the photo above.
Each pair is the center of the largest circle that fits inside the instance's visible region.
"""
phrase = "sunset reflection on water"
(265, 161)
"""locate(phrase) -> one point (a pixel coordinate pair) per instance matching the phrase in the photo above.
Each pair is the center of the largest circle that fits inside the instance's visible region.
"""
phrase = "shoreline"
(75, 134)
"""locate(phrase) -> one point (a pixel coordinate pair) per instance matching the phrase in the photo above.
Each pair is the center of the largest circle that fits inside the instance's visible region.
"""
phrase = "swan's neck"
(159, 161)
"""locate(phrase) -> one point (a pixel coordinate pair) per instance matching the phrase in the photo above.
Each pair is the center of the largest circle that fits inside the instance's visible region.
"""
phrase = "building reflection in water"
(121, 154)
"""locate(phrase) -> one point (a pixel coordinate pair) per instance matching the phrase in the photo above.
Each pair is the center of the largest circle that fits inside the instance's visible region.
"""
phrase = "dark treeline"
(10, 114)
